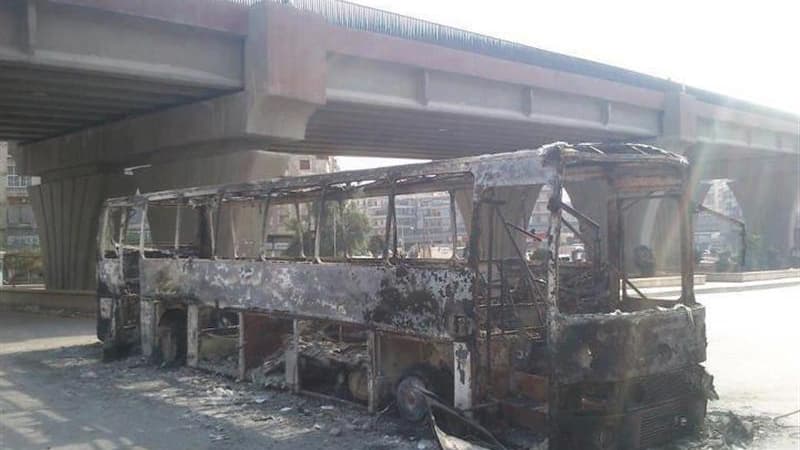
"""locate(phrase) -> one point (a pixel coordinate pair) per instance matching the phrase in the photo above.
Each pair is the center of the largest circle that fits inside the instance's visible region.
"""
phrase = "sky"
(745, 49)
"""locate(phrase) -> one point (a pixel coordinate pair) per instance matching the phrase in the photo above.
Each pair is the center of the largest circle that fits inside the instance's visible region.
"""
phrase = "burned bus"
(570, 349)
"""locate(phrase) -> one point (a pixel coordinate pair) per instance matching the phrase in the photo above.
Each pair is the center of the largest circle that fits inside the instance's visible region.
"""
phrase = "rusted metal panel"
(192, 335)
(148, 322)
(412, 300)
(291, 359)
(462, 373)
(109, 277)
(639, 413)
(619, 346)
(261, 336)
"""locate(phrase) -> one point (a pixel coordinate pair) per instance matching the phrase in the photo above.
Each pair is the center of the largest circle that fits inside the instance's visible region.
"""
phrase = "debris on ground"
(726, 430)
(735, 431)
(227, 410)
(425, 444)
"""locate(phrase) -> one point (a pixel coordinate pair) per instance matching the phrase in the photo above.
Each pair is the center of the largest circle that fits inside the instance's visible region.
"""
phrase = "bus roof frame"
(630, 166)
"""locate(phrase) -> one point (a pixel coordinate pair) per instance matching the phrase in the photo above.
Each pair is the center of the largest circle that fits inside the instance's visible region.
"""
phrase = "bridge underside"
(36, 103)
(352, 129)
(66, 68)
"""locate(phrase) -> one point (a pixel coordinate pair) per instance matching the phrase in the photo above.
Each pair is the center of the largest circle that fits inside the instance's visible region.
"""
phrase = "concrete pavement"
(718, 287)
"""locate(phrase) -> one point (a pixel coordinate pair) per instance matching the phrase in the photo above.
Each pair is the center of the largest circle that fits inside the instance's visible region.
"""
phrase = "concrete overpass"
(89, 87)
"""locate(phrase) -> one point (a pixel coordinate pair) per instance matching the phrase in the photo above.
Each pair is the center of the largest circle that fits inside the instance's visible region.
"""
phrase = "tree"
(375, 245)
(757, 255)
(25, 266)
(344, 229)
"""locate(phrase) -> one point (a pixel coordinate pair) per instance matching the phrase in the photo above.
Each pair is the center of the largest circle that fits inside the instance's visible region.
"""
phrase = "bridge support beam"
(67, 210)
(284, 84)
(654, 224)
(591, 198)
(770, 203)
(650, 223)
(236, 167)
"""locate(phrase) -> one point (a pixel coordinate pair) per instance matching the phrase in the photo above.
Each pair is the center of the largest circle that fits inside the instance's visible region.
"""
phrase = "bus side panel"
(424, 301)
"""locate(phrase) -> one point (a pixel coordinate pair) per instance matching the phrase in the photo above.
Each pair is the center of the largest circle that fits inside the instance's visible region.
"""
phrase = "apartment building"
(17, 222)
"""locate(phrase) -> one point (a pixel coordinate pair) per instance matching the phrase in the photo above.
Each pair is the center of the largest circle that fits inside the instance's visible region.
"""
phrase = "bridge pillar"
(651, 223)
(235, 167)
(591, 198)
(654, 224)
(67, 209)
(770, 203)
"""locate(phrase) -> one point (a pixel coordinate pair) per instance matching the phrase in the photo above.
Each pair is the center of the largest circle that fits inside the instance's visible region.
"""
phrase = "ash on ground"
(725, 430)
(230, 412)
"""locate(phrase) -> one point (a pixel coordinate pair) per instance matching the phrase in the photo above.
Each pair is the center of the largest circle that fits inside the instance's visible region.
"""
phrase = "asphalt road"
(55, 394)
(754, 350)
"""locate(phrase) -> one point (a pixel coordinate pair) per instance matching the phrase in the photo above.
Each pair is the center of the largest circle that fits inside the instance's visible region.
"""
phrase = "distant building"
(720, 198)
(17, 222)
(711, 231)
(300, 165)
(281, 216)
(422, 219)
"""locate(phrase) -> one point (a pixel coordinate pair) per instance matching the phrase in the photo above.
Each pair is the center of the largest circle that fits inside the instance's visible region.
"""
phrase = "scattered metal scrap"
(473, 436)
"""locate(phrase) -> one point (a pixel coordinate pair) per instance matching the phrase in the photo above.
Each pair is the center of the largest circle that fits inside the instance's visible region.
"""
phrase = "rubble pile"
(325, 355)
(725, 430)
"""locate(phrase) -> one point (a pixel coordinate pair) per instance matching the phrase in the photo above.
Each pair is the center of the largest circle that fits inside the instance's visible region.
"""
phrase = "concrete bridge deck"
(81, 78)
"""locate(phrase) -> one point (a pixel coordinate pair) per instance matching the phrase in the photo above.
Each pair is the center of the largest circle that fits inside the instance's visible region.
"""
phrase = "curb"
(724, 289)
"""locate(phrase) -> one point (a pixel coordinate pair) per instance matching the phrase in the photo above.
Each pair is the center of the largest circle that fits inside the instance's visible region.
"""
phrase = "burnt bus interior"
(571, 350)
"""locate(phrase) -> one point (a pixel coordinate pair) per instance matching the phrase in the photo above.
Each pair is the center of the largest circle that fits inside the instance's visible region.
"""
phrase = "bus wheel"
(411, 402)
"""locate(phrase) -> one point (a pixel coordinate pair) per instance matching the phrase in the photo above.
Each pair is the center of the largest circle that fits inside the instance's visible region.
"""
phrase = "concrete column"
(236, 167)
(648, 222)
(67, 210)
(770, 201)
(652, 223)
(515, 204)
(655, 224)
(591, 198)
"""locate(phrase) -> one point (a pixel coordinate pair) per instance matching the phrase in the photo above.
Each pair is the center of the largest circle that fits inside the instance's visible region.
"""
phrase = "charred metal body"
(570, 349)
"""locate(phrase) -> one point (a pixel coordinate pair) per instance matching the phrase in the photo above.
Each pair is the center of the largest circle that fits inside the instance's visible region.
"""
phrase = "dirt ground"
(56, 394)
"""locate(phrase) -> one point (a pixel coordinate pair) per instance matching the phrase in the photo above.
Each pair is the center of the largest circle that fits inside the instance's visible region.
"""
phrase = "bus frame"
(573, 350)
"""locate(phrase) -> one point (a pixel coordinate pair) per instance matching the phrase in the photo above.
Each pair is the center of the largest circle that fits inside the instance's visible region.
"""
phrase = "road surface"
(54, 393)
